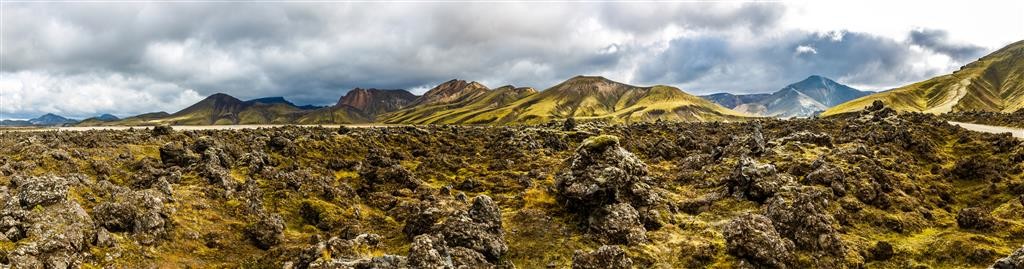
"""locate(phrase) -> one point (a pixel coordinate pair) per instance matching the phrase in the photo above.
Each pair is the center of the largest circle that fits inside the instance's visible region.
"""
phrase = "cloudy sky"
(83, 59)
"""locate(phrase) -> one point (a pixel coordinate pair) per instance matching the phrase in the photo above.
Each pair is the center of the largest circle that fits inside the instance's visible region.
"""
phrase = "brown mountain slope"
(374, 102)
(471, 103)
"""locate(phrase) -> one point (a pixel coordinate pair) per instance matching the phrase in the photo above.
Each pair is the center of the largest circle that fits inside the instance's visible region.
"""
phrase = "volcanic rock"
(753, 238)
(605, 257)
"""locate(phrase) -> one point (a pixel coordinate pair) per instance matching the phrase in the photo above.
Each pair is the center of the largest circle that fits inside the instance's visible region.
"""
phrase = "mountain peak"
(814, 81)
(451, 91)
(222, 97)
(271, 100)
(590, 79)
(374, 101)
(107, 117)
(816, 77)
(51, 119)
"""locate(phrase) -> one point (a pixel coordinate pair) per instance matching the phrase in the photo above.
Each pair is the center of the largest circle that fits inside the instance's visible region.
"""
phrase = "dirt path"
(951, 99)
(1018, 133)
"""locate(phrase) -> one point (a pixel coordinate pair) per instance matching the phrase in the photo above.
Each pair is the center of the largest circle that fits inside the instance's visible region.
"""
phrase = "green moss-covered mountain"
(598, 98)
(221, 109)
(994, 83)
(457, 102)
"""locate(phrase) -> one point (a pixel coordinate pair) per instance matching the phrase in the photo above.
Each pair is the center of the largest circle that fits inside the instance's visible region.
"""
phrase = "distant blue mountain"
(801, 99)
(107, 117)
(51, 119)
(280, 100)
(15, 123)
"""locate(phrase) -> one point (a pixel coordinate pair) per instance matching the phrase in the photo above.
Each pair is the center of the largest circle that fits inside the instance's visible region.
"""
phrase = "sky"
(81, 59)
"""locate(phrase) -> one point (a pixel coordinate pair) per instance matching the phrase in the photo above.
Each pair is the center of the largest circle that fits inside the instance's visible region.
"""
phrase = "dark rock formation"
(40, 191)
(610, 187)
(174, 153)
(755, 181)
(974, 218)
(267, 231)
(618, 224)
(605, 257)
(803, 214)
(1014, 261)
(753, 238)
(140, 212)
(478, 229)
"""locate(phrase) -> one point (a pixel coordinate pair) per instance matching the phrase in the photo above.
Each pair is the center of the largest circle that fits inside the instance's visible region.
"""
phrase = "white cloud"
(802, 49)
(28, 94)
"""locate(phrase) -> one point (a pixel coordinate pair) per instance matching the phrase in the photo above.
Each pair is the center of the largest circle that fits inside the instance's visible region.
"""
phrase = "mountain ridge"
(993, 83)
(804, 98)
(457, 102)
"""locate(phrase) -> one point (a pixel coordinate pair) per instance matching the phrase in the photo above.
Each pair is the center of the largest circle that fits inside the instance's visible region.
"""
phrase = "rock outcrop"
(605, 257)
(609, 187)
(754, 239)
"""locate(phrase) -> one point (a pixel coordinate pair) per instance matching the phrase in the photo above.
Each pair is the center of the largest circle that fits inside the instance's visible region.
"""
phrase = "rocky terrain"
(872, 189)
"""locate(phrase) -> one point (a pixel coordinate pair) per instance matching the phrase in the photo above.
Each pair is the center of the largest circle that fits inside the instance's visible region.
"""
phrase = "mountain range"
(801, 99)
(993, 83)
(48, 119)
(457, 102)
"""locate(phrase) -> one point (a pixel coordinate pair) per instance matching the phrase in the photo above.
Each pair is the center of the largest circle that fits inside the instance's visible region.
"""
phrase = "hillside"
(994, 83)
(374, 102)
(471, 101)
(333, 115)
(801, 99)
(597, 98)
(98, 120)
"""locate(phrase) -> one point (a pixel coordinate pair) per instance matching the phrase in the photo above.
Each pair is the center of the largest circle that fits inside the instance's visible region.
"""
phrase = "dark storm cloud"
(314, 53)
(713, 64)
(939, 41)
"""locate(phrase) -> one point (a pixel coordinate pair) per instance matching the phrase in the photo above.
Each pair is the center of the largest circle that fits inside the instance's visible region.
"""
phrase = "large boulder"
(140, 212)
(1014, 261)
(753, 239)
(58, 236)
(175, 154)
(267, 230)
(755, 181)
(618, 224)
(601, 173)
(605, 257)
(975, 218)
(478, 229)
(610, 188)
(41, 191)
(804, 215)
(337, 253)
(428, 251)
